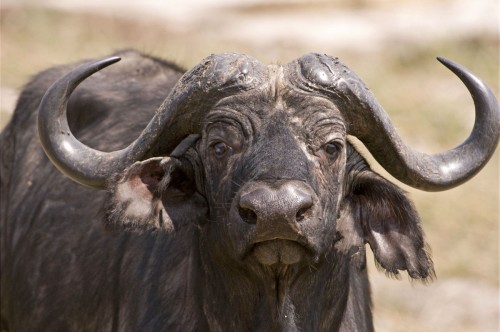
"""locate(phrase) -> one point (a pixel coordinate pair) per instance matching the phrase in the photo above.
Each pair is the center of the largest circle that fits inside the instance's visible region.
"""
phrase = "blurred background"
(390, 44)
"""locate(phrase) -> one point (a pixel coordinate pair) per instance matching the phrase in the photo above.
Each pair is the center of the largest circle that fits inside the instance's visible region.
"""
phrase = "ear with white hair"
(155, 194)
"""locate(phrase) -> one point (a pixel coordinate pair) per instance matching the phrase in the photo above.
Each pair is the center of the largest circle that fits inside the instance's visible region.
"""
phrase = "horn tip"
(108, 61)
(446, 62)
(456, 68)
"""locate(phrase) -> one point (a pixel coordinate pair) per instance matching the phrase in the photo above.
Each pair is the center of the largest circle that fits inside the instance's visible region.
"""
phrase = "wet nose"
(290, 202)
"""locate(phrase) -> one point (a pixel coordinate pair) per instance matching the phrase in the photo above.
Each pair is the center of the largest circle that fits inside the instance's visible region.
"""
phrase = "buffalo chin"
(279, 251)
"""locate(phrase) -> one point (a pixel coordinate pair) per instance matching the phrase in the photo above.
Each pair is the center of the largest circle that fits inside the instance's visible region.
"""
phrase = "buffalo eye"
(332, 149)
(220, 149)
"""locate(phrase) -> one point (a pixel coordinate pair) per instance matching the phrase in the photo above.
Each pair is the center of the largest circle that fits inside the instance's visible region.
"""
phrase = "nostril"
(303, 213)
(248, 215)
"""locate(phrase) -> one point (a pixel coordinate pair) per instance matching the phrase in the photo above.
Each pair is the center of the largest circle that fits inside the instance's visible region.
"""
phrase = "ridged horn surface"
(180, 115)
(370, 123)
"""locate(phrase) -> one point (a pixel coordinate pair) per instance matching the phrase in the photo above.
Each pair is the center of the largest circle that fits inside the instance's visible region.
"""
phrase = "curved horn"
(179, 115)
(76, 160)
(369, 123)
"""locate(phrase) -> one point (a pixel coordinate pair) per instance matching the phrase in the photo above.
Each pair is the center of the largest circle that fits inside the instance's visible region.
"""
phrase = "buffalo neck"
(246, 296)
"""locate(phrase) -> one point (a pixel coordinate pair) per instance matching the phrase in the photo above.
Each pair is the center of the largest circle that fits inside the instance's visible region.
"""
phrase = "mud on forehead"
(278, 96)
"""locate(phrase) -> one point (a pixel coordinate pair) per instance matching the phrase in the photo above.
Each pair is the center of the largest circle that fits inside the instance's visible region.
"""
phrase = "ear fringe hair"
(115, 220)
(395, 273)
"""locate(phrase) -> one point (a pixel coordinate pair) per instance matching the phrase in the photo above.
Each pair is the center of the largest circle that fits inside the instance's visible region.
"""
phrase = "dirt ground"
(391, 44)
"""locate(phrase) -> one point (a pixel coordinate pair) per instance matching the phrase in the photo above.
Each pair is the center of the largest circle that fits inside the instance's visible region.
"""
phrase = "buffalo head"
(259, 157)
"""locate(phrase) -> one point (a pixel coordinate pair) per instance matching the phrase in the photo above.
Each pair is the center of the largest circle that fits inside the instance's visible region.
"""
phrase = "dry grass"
(428, 104)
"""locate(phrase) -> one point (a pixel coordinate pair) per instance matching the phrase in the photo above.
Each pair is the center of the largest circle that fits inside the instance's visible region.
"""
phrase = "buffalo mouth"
(280, 251)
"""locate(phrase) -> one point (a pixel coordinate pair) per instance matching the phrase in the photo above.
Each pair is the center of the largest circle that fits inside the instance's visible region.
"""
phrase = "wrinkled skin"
(260, 226)
(249, 142)
(259, 143)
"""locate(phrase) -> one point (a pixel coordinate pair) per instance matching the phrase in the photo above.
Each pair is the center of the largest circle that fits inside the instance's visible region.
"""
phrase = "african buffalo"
(240, 204)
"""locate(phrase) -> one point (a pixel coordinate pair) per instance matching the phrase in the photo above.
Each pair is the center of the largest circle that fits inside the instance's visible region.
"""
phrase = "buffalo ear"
(155, 194)
(387, 220)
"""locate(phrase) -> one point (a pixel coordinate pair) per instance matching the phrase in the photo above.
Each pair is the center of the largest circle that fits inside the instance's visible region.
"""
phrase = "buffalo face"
(274, 165)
